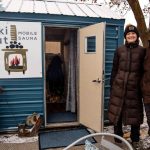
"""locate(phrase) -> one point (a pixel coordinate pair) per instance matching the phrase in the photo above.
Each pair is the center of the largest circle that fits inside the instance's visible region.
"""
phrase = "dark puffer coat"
(146, 78)
(125, 94)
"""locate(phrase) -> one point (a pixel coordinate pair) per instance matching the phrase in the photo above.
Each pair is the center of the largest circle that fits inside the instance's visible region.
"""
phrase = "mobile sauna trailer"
(55, 60)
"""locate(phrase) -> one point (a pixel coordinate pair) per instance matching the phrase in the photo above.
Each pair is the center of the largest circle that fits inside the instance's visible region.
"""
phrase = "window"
(90, 44)
(53, 47)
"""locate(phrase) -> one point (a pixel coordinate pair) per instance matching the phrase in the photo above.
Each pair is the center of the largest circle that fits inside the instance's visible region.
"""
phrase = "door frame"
(53, 125)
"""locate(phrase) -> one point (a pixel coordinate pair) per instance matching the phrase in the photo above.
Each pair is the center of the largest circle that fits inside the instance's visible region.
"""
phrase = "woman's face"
(131, 37)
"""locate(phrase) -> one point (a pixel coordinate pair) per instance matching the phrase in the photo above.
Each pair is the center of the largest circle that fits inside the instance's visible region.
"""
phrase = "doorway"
(60, 75)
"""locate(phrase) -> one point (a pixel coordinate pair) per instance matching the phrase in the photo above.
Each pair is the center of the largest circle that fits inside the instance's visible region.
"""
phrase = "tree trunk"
(141, 24)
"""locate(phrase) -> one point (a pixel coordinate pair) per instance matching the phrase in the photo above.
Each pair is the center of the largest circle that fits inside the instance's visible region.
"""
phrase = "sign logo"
(15, 54)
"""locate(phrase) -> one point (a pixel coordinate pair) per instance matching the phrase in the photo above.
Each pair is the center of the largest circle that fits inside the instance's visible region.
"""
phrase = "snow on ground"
(145, 139)
(13, 138)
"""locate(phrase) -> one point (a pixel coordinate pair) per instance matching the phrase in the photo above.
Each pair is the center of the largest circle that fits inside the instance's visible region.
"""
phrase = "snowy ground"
(13, 138)
(145, 139)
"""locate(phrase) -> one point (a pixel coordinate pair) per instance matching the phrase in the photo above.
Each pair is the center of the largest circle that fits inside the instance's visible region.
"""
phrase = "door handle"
(98, 80)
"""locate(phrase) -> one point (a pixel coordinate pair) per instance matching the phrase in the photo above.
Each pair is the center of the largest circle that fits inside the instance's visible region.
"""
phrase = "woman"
(125, 106)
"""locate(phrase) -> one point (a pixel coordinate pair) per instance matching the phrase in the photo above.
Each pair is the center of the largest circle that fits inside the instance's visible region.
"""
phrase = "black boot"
(135, 133)
(135, 137)
(118, 130)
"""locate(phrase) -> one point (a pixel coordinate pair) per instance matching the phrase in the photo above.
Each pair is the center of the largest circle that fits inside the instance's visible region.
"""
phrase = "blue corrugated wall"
(114, 38)
(22, 97)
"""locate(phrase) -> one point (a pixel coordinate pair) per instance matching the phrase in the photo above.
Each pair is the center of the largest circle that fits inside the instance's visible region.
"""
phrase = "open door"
(60, 76)
(91, 44)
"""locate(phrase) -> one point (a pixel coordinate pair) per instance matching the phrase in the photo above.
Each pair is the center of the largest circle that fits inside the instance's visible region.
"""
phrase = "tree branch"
(139, 17)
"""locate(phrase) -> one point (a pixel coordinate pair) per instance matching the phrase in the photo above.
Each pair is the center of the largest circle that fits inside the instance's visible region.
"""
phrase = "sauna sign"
(20, 49)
